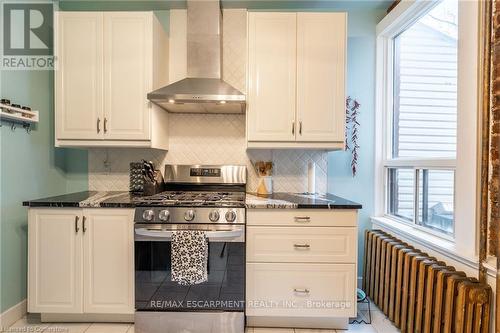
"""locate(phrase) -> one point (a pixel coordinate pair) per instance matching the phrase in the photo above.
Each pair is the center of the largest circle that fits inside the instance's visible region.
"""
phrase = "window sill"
(491, 266)
(444, 247)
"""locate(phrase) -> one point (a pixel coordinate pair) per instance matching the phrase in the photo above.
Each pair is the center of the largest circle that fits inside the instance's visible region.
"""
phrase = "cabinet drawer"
(305, 290)
(303, 217)
(284, 244)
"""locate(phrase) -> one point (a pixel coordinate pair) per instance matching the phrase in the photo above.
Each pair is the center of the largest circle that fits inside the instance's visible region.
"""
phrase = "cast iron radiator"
(420, 293)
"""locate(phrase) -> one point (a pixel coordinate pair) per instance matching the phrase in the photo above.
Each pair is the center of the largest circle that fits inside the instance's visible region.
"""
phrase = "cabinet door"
(108, 261)
(127, 75)
(55, 261)
(301, 290)
(79, 71)
(321, 50)
(271, 75)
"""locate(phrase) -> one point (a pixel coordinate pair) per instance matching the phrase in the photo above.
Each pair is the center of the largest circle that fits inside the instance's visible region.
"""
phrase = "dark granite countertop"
(88, 199)
(298, 201)
(124, 199)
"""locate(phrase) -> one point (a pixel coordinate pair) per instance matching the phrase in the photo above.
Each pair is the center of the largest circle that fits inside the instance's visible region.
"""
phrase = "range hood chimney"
(203, 91)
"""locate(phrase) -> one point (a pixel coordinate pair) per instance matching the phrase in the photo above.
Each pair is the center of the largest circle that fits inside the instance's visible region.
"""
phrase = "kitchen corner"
(250, 232)
(178, 226)
(222, 166)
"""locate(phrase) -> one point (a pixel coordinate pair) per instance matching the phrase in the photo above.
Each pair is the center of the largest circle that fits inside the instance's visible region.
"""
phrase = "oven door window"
(155, 290)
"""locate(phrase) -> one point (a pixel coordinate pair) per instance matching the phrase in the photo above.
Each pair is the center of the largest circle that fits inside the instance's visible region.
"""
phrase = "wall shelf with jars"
(15, 113)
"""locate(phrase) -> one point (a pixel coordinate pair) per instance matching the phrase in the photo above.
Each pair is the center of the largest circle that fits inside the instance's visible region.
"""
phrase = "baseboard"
(87, 317)
(10, 316)
(298, 322)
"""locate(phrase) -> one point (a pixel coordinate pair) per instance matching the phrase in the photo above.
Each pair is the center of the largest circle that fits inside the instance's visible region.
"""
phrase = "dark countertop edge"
(331, 206)
(287, 200)
(35, 204)
(292, 198)
(99, 199)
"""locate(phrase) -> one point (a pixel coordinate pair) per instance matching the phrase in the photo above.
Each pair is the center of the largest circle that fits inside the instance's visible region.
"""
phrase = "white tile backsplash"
(212, 139)
(208, 139)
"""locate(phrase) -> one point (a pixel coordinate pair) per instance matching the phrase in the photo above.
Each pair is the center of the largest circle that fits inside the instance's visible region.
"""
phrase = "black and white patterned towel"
(189, 257)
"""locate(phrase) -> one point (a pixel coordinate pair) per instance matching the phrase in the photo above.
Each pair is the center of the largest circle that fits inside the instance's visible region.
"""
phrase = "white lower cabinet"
(80, 260)
(54, 261)
(305, 290)
(108, 252)
(279, 244)
(301, 267)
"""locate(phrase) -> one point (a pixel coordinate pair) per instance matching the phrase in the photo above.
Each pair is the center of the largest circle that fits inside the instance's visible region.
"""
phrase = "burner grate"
(180, 198)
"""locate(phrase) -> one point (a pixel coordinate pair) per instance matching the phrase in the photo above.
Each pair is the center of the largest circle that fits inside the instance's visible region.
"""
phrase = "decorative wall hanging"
(352, 131)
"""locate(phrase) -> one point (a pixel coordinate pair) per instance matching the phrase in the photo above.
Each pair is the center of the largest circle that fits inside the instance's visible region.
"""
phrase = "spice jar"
(15, 106)
(27, 115)
(4, 101)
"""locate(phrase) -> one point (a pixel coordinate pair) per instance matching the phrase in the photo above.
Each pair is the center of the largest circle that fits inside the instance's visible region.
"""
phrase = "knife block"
(151, 188)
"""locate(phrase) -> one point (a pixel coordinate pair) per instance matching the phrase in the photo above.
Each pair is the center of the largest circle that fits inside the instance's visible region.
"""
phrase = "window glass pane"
(401, 193)
(436, 199)
(425, 85)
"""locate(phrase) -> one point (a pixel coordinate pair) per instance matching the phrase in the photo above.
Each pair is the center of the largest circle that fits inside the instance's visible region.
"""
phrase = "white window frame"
(467, 159)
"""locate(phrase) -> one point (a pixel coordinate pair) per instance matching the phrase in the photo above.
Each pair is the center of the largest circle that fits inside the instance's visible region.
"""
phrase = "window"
(422, 142)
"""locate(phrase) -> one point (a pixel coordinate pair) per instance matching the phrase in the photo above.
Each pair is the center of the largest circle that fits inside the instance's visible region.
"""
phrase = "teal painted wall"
(30, 168)
(361, 86)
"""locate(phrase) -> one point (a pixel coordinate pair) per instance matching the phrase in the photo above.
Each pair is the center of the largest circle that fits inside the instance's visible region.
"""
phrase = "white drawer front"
(285, 244)
(305, 290)
(303, 217)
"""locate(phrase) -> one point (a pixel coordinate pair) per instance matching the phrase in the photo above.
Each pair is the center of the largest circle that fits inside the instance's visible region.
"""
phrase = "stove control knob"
(230, 216)
(189, 215)
(148, 215)
(214, 216)
(164, 215)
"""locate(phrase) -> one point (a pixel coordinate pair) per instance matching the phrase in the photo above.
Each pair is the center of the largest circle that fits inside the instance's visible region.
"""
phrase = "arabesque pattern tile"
(213, 139)
(208, 139)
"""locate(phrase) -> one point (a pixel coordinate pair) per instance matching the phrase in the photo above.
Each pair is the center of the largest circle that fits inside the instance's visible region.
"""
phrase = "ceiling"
(250, 4)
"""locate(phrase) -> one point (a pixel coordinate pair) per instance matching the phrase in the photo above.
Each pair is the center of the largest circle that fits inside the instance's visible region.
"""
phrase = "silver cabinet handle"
(76, 224)
(300, 127)
(98, 125)
(302, 219)
(105, 124)
(302, 291)
(293, 127)
(302, 246)
(83, 224)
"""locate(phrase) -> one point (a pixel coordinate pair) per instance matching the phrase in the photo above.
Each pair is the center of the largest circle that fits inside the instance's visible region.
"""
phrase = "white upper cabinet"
(127, 58)
(79, 75)
(107, 64)
(296, 80)
(321, 49)
(272, 67)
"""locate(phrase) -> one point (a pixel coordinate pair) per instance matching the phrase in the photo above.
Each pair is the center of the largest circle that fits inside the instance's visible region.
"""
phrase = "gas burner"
(194, 198)
(196, 194)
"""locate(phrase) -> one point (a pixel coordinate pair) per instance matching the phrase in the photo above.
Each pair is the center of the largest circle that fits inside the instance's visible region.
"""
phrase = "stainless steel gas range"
(209, 198)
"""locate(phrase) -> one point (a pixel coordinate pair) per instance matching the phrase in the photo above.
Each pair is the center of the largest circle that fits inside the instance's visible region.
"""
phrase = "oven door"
(154, 288)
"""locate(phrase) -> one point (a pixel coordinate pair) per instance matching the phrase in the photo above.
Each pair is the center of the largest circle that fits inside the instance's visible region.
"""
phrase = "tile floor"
(380, 324)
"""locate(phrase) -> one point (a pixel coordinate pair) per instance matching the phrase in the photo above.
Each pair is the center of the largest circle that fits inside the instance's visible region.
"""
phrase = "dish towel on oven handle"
(189, 257)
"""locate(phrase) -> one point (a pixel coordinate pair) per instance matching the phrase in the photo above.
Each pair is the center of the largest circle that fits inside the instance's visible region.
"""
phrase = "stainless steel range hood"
(203, 91)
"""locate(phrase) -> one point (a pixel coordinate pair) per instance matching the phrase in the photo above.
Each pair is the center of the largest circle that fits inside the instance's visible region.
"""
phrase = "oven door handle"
(167, 234)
